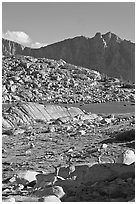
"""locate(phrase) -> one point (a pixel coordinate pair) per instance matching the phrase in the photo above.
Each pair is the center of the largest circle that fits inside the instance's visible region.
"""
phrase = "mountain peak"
(109, 36)
(98, 35)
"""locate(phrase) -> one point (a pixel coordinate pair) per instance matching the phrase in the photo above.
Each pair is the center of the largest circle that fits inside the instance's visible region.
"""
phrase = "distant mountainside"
(106, 53)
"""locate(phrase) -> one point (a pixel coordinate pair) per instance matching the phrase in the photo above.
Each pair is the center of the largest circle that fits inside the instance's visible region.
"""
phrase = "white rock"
(52, 129)
(58, 191)
(32, 145)
(20, 187)
(104, 146)
(13, 179)
(108, 120)
(28, 152)
(51, 198)
(83, 132)
(68, 128)
(128, 157)
(26, 176)
(70, 150)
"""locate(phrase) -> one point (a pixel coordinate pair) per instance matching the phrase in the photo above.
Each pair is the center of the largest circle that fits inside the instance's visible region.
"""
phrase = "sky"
(36, 24)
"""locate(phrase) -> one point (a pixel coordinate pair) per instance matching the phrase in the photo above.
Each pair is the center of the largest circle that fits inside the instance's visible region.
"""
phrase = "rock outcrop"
(105, 53)
(29, 113)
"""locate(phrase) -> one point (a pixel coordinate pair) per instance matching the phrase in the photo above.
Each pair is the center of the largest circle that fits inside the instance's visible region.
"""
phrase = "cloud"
(22, 38)
(38, 45)
(17, 36)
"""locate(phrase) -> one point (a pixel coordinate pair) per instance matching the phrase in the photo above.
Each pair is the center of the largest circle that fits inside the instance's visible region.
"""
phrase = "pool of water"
(113, 107)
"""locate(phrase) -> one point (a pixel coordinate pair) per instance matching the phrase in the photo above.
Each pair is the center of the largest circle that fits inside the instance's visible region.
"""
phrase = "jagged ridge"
(105, 53)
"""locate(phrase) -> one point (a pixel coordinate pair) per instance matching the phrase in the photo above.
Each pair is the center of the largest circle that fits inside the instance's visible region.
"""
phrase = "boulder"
(104, 146)
(127, 157)
(43, 180)
(64, 172)
(58, 191)
(25, 177)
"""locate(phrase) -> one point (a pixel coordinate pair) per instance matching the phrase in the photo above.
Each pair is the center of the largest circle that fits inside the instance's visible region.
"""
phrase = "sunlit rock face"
(106, 53)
